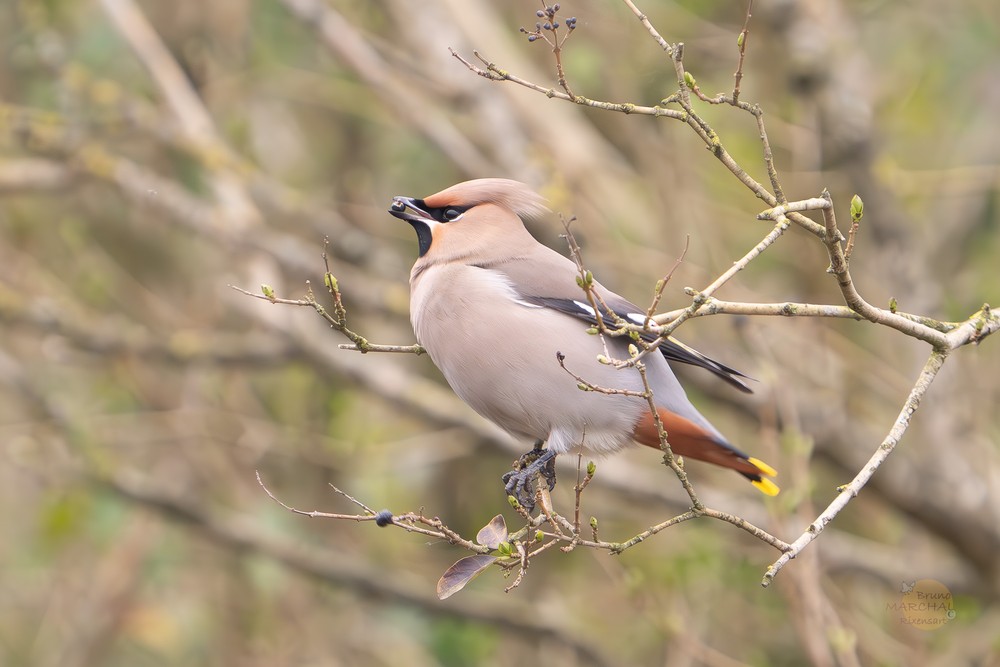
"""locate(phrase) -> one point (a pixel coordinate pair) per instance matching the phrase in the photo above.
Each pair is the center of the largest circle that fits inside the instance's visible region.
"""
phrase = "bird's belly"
(506, 369)
(566, 417)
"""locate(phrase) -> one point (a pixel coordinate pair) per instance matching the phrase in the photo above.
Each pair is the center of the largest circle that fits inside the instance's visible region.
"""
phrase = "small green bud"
(659, 285)
(593, 331)
(582, 386)
(331, 282)
(741, 39)
(633, 351)
(267, 291)
(857, 208)
(689, 80)
(593, 522)
(601, 359)
(513, 502)
(892, 304)
(539, 536)
(591, 468)
(588, 278)
(505, 549)
(579, 281)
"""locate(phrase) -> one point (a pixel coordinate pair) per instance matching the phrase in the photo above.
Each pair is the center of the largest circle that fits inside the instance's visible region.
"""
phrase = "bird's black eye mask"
(408, 208)
(418, 214)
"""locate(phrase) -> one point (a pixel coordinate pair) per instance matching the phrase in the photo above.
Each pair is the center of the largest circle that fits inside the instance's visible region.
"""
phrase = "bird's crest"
(512, 195)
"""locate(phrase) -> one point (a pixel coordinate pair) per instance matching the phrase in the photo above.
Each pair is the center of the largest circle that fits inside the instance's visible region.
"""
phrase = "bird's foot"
(519, 482)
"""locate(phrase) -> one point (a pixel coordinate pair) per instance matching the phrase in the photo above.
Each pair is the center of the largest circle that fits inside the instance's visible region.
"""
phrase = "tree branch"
(243, 534)
(849, 491)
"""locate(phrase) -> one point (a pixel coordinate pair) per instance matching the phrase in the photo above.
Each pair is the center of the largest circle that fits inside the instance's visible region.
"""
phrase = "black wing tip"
(675, 350)
(672, 349)
(739, 384)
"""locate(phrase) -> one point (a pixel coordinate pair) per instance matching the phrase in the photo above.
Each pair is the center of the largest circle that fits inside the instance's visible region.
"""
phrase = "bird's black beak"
(414, 211)
(409, 209)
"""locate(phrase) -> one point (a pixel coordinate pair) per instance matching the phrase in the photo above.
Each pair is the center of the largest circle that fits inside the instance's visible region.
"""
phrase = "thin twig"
(740, 522)
(772, 172)
(851, 236)
(495, 73)
(585, 279)
(741, 42)
(617, 548)
(336, 321)
(408, 522)
(313, 514)
(586, 385)
(543, 499)
(521, 570)
(549, 13)
(644, 20)
(578, 488)
(700, 297)
(669, 458)
(548, 545)
(347, 496)
(662, 283)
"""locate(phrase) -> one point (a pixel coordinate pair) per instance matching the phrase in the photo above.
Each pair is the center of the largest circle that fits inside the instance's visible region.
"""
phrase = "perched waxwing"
(494, 308)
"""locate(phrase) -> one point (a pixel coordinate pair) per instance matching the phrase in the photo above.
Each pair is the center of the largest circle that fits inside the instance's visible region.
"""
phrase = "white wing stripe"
(585, 307)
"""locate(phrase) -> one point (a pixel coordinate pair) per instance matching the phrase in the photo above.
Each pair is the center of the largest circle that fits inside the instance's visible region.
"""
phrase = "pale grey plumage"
(498, 352)
(490, 305)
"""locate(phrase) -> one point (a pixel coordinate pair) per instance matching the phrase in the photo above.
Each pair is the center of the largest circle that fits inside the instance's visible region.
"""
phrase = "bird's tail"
(692, 441)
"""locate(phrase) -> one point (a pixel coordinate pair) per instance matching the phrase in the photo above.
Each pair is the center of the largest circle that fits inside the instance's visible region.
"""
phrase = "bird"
(504, 318)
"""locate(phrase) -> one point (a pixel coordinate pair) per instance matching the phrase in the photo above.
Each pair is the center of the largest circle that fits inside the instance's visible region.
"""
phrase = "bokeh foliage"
(138, 394)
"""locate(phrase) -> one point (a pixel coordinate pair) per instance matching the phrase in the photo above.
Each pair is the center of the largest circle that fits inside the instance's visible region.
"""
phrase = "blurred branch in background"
(121, 349)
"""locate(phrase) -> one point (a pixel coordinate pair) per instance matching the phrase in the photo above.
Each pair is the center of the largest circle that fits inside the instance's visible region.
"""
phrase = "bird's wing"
(549, 280)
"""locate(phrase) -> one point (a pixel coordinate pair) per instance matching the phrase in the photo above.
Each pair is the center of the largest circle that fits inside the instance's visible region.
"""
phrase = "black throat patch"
(424, 236)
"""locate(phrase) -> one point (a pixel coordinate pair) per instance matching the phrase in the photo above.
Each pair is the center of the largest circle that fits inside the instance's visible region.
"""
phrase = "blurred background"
(155, 153)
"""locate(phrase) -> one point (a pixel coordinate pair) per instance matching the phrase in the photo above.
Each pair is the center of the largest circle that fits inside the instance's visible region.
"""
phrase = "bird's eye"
(452, 214)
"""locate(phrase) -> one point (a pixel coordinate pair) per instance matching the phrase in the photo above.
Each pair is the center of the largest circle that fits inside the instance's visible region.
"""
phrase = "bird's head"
(483, 215)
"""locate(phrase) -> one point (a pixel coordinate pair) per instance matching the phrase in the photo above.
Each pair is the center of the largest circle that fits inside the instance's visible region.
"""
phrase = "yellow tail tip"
(763, 467)
(766, 487)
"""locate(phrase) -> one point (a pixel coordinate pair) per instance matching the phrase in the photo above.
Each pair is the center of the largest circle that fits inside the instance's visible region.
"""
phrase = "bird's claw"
(519, 482)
